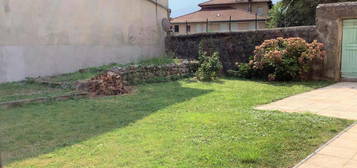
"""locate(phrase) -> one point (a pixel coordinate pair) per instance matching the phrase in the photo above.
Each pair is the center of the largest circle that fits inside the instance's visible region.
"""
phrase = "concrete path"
(340, 101)
(340, 152)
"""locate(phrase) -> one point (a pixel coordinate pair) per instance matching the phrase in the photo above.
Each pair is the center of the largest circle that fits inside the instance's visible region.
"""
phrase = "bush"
(244, 71)
(283, 60)
(209, 63)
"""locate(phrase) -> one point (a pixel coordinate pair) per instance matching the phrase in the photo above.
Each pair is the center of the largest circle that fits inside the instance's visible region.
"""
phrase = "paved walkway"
(340, 101)
(340, 152)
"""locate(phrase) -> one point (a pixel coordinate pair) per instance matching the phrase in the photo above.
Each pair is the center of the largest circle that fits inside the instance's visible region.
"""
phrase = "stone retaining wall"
(235, 46)
(155, 73)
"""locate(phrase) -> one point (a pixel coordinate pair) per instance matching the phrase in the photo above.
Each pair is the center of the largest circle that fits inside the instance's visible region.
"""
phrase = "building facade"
(224, 16)
(50, 37)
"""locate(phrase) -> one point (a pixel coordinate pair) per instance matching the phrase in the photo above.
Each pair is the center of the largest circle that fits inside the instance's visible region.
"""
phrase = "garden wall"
(234, 46)
(155, 73)
(51, 37)
(329, 21)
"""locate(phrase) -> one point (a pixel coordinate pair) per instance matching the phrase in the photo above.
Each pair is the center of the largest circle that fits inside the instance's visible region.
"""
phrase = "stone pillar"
(329, 19)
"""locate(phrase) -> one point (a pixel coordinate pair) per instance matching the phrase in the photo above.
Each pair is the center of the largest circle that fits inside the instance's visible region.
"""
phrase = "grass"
(28, 90)
(24, 90)
(158, 61)
(174, 124)
(93, 71)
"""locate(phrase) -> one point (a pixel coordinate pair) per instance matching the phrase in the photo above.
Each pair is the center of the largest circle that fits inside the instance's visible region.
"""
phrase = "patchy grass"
(91, 72)
(25, 90)
(174, 124)
(28, 90)
(159, 61)
(82, 74)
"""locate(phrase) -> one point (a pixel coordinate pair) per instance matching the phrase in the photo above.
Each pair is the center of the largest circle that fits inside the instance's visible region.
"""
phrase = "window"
(252, 26)
(260, 12)
(177, 28)
(235, 26)
(199, 28)
(224, 27)
(188, 28)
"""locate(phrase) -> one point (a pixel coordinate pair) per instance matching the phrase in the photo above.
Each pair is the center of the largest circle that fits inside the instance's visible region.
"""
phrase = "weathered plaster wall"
(329, 28)
(49, 37)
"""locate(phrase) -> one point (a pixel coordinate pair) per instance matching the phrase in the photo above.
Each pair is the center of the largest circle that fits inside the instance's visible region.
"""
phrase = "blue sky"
(181, 7)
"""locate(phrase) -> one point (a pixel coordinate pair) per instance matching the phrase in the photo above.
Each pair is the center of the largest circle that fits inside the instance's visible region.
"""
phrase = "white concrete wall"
(50, 37)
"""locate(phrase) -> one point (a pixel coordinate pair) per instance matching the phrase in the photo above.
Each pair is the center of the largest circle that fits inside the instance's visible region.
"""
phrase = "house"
(223, 16)
(50, 37)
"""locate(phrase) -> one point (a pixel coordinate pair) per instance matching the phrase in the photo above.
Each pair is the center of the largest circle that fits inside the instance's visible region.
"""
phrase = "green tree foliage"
(276, 15)
(297, 12)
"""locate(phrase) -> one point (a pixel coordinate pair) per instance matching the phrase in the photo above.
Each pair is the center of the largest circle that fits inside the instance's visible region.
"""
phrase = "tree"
(276, 15)
(297, 12)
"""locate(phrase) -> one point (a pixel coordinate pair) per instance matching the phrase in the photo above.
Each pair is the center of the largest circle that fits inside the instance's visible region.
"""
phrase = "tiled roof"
(216, 15)
(219, 2)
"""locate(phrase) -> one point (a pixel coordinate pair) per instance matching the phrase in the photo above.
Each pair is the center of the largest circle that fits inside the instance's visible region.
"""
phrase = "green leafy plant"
(283, 59)
(276, 15)
(287, 13)
(209, 63)
(244, 71)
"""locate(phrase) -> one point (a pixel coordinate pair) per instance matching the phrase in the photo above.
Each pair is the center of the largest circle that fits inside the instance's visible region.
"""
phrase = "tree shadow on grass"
(38, 129)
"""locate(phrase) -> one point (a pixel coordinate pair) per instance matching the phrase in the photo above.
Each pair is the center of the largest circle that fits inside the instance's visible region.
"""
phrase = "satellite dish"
(166, 25)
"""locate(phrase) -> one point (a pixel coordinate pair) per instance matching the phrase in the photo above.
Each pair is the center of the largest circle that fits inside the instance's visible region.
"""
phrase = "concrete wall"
(50, 37)
(329, 28)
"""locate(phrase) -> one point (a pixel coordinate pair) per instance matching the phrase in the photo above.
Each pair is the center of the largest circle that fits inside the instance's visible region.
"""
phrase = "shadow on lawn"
(42, 128)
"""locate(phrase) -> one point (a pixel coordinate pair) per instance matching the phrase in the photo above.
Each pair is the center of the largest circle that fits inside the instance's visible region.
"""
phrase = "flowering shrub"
(283, 59)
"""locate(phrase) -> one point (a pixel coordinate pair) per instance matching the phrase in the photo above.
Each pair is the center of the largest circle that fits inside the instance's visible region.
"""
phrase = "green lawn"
(176, 124)
(25, 90)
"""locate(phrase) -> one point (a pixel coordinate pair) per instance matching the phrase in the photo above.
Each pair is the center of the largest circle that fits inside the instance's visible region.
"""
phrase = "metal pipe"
(207, 26)
(230, 23)
(256, 20)
(186, 27)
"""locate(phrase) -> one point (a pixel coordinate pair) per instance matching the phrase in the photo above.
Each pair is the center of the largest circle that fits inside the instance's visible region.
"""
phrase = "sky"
(181, 7)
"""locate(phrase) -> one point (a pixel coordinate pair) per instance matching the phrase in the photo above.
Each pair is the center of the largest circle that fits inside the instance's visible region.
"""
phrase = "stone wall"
(329, 28)
(156, 73)
(235, 46)
(51, 37)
